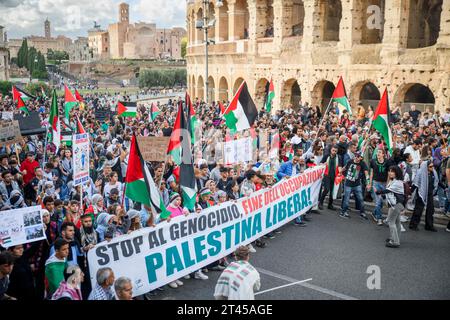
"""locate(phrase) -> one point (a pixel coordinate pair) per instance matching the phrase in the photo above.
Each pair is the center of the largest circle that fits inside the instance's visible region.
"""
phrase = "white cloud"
(73, 18)
(165, 13)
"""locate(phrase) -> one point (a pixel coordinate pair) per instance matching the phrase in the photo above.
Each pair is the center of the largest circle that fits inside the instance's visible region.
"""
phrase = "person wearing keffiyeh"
(103, 289)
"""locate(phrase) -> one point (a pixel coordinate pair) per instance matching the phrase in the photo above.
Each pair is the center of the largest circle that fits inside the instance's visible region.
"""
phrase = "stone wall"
(399, 45)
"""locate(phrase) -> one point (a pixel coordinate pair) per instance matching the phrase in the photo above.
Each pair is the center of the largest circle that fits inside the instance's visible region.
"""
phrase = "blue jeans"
(442, 197)
(357, 191)
(380, 186)
(298, 219)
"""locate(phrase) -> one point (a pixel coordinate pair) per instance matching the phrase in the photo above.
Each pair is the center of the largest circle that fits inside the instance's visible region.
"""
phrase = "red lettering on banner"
(267, 197)
(245, 206)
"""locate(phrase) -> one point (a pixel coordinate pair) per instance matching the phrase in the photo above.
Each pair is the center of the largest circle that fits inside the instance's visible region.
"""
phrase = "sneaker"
(179, 283)
(269, 236)
(447, 229)
(364, 216)
(260, 244)
(379, 222)
(404, 219)
(374, 217)
(218, 268)
(251, 248)
(402, 229)
(187, 277)
(200, 275)
(344, 215)
(392, 245)
(205, 270)
(278, 231)
(173, 285)
(300, 224)
(388, 240)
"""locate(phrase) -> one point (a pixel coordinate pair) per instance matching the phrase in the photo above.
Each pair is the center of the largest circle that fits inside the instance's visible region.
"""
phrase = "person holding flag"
(332, 171)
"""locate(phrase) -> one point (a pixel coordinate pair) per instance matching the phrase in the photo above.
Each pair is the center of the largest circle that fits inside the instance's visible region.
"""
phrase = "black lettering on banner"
(223, 215)
(138, 242)
(153, 241)
(104, 258)
(115, 252)
(211, 220)
(127, 248)
(183, 229)
(235, 210)
(229, 213)
(192, 226)
(202, 223)
(174, 231)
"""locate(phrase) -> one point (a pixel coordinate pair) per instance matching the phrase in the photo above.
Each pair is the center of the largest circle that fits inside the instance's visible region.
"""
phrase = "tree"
(35, 89)
(5, 88)
(23, 54)
(183, 47)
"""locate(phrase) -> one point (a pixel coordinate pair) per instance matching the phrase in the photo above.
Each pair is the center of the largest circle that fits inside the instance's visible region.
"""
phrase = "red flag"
(78, 96)
(222, 108)
(17, 97)
(80, 128)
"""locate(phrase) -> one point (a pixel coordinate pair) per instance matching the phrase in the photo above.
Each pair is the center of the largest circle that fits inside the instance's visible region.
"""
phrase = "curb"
(439, 219)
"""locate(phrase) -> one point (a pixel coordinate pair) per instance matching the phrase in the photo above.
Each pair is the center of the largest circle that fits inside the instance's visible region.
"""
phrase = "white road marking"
(307, 285)
(283, 286)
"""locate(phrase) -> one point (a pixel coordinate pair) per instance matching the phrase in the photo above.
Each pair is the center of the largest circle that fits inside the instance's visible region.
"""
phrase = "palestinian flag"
(192, 119)
(380, 120)
(242, 112)
(154, 111)
(126, 109)
(70, 102)
(66, 139)
(337, 181)
(222, 108)
(270, 95)
(140, 186)
(54, 121)
(180, 149)
(79, 99)
(80, 128)
(340, 97)
(20, 97)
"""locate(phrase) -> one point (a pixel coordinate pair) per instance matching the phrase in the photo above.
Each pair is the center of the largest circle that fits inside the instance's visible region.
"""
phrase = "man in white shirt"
(414, 151)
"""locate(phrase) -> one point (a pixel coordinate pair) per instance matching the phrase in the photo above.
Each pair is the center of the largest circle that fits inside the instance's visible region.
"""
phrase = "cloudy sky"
(73, 18)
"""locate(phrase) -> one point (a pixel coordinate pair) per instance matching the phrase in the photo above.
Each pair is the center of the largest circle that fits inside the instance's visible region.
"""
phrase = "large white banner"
(153, 257)
(80, 166)
(19, 226)
(238, 151)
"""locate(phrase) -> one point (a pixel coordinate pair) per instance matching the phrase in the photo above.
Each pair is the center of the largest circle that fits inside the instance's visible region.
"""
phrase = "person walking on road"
(395, 199)
(239, 280)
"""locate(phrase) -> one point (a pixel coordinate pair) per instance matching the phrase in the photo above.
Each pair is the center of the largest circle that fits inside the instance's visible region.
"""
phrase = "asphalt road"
(335, 253)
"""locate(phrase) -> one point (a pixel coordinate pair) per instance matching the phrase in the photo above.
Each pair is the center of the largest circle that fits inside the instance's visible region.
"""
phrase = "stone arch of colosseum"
(211, 89)
(369, 21)
(261, 87)
(237, 84)
(193, 88)
(423, 23)
(364, 92)
(199, 35)
(222, 25)
(322, 93)
(200, 88)
(414, 93)
(238, 19)
(223, 89)
(191, 26)
(330, 15)
(291, 94)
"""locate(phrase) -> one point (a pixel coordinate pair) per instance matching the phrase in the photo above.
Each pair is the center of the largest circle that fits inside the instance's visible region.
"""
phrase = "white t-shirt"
(109, 187)
(414, 153)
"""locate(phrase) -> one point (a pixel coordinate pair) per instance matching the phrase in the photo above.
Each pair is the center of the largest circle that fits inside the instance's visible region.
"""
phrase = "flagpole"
(45, 145)
(323, 118)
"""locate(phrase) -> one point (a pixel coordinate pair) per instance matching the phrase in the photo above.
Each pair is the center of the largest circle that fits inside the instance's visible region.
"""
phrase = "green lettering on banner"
(256, 224)
(304, 199)
(188, 261)
(289, 207)
(214, 243)
(237, 233)
(173, 260)
(282, 211)
(199, 247)
(153, 262)
(297, 203)
(227, 232)
(268, 224)
(309, 196)
(274, 214)
(246, 228)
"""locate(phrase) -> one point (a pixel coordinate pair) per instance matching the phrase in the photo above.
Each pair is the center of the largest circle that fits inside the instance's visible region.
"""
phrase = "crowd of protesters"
(33, 172)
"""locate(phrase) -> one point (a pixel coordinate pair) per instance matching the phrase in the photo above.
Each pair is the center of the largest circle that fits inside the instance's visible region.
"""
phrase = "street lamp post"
(205, 25)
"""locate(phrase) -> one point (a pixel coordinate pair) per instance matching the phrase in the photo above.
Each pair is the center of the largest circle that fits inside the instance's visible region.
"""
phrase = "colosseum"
(305, 46)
